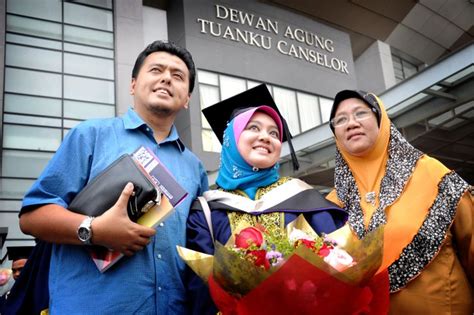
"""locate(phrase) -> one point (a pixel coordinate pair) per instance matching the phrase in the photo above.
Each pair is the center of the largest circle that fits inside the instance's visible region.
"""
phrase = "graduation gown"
(279, 203)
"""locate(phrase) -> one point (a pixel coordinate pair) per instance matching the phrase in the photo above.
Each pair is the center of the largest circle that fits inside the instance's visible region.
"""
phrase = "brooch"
(370, 197)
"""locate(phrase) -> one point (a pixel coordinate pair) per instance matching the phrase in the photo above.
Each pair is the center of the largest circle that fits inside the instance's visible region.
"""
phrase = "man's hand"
(114, 229)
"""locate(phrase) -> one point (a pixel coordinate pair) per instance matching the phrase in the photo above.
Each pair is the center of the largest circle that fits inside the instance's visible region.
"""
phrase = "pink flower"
(247, 237)
(274, 257)
(339, 259)
(4, 276)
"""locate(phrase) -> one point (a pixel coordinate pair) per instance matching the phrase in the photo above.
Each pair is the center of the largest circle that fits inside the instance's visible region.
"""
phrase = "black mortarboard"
(19, 252)
(220, 114)
(368, 98)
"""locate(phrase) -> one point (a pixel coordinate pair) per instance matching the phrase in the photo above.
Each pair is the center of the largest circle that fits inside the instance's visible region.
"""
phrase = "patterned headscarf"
(412, 194)
(234, 171)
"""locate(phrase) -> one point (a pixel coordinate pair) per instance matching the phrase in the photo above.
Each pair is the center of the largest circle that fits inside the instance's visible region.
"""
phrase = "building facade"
(66, 61)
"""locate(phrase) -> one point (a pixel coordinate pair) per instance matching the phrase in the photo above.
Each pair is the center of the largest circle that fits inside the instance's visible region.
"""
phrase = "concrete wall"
(128, 44)
(374, 68)
(154, 25)
(224, 54)
(209, 30)
(136, 26)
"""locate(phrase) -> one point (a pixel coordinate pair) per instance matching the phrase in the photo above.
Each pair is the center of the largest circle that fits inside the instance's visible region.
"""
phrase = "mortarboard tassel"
(294, 158)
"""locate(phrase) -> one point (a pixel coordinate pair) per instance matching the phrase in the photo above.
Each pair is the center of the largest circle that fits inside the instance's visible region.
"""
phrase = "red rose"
(324, 250)
(247, 237)
(309, 244)
(260, 258)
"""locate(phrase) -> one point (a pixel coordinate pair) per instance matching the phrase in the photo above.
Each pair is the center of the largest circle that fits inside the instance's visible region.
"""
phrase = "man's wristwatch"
(84, 231)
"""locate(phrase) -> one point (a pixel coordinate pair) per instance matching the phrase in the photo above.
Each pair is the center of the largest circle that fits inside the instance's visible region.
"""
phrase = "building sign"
(270, 34)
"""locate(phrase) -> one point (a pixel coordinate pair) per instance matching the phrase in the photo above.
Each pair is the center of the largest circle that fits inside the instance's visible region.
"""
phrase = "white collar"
(270, 199)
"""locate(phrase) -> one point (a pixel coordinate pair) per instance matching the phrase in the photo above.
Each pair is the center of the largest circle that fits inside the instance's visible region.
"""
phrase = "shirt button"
(147, 129)
(159, 288)
(159, 256)
(162, 224)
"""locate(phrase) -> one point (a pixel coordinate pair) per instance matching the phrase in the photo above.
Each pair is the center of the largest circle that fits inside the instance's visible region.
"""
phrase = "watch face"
(83, 234)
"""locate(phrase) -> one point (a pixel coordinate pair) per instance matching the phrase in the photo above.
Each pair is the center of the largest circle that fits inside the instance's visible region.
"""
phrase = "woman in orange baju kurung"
(427, 209)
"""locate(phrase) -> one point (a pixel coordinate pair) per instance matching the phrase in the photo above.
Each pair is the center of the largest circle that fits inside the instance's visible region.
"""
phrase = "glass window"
(32, 120)
(309, 110)
(92, 90)
(408, 69)
(53, 51)
(252, 84)
(32, 41)
(34, 58)
(31, 138)
(231, 86)
(397, 65)
(325, 105)
(402, 68)
(89, 66)
(88, 37)
(32, 82)
(24, 163)
(68, 123)
(208, 77)
(45, 9)
(297, 107)
(97, 3)
(210, 143)
(14, 188)
(32, 105)
(80, 110)
(397, 68)
(89, 50)
(209, 96)
(286, 101)
(270, 89)
(18, 24)
(87, 16)
(10, 205)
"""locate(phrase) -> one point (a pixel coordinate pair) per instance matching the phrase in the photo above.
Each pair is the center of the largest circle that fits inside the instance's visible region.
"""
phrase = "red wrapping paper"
(298, 287)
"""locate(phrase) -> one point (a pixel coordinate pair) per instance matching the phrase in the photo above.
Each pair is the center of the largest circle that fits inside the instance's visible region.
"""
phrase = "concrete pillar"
(128, 44)
(374, 68)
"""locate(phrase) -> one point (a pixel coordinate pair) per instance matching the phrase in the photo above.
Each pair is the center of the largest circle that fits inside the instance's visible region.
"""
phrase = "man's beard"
(161, 111)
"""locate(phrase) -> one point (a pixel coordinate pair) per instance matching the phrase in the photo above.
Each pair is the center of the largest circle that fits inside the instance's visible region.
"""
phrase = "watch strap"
(85, 226)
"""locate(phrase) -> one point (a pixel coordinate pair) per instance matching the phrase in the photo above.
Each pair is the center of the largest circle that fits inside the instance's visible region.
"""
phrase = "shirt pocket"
(175, 225)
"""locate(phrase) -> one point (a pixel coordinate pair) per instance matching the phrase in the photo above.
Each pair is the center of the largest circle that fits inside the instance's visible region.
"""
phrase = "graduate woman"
(250, 189)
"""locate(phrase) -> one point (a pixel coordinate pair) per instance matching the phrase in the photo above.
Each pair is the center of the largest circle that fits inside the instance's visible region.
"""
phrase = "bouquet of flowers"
(295, 271)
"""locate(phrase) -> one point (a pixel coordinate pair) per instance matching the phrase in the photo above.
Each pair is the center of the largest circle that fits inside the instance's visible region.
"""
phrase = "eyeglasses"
(359, 115)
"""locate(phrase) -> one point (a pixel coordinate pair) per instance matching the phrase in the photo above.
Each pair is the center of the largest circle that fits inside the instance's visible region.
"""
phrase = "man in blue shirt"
(149, 281)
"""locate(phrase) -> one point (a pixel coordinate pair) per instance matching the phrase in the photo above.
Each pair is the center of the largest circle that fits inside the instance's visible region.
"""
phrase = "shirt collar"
(132, 120)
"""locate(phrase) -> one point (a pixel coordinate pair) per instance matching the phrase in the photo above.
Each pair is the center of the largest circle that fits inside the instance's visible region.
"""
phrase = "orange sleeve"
(463, 231)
